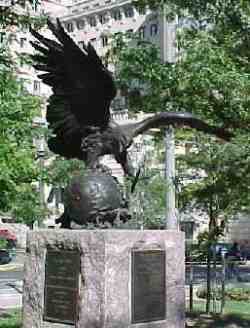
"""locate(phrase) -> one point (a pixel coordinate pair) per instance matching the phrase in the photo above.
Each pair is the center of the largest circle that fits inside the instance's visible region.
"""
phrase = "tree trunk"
(223, 283)
(214, 278)
(208, 303)
(211, 229)
(191, 286)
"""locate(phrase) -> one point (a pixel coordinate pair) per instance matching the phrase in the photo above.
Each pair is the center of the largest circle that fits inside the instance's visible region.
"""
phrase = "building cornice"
(55, 3)
(92, 9)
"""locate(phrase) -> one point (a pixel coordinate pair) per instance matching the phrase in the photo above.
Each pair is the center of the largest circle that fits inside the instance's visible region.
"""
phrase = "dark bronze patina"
(148, 286)
(62, 269)
(94, 196)
(79, 109)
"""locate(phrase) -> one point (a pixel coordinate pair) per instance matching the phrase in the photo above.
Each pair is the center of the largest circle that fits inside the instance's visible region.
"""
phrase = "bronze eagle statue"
(79, 108)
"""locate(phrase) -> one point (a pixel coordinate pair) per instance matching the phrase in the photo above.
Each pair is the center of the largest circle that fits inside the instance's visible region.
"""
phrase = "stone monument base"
(104, 279)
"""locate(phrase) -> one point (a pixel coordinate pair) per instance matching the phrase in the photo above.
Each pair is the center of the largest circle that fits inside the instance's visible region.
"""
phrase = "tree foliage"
(223, 171)
(206, 80)
(141, 76)
(18, 169)
(60, 171)
(148, 202)
(19, 172)
(26, 206)
(226, 14)
(15, 14)
(209, 79)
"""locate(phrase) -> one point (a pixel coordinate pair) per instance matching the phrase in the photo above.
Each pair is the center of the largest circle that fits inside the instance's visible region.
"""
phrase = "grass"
(242, 308)
(232, 307)
(10, 319)
(236, 314)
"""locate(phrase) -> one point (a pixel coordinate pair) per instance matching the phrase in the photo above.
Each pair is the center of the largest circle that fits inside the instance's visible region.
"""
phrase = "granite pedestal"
(102, 279)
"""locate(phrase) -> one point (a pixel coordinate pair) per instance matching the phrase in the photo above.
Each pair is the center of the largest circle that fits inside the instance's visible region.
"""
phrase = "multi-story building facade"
(96, 20)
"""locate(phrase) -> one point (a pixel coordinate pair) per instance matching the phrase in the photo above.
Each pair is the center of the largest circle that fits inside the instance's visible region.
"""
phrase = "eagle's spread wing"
(82, 89)
(178, 119)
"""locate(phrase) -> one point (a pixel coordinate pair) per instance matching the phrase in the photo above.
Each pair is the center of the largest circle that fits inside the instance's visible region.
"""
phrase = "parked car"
(5, 256)
(9, 237)
(193, 254)
(225, 249)
(221, 249)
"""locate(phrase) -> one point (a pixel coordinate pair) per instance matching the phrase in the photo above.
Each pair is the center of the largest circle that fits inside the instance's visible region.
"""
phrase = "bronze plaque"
(62, 269)
(148, 286)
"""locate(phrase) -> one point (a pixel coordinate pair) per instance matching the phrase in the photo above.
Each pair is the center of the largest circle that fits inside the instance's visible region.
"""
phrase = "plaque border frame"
(56, 320)
(163, 252)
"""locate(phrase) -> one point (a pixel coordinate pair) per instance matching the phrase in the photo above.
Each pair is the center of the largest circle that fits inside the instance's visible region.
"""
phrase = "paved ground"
(11, 277)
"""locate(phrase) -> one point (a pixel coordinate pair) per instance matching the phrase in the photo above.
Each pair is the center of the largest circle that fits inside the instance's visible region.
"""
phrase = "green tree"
(26, 207)
(60, 171)
(221, 191)
(3, 243)
(148, 202)
(18, 169)
(211, 80)
(221, 13)
(206, 81)
(141, 76)
(14, 14)
(19, 172)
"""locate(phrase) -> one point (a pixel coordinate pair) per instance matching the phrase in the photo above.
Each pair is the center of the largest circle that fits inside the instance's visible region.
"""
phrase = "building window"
(103, 18)
(153, 29)
(35, 5)
(142, 10)
(117, 15)
(25, 27)
(104, 39)
(23, 42)
(22, 61)
(12, 38)
(2, 37)
(22, 3)
(142, 32)
(92, 21)
(93, 41)
(22, 84)
(36, 87)
(129, 12)
(80, 24)
(69, 27)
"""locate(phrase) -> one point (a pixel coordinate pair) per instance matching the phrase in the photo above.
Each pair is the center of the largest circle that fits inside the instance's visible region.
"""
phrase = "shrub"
(3, 243)
(235, 294)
